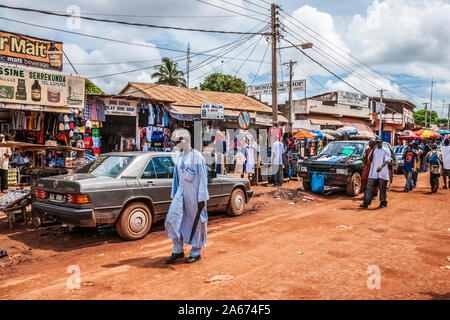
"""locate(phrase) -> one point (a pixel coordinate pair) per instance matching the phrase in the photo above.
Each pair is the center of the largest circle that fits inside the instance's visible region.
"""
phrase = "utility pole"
(431, 100)
(291, 74)
(274, 27)
(426, 113)
(448, 117)
(188, 61)
(380, 113)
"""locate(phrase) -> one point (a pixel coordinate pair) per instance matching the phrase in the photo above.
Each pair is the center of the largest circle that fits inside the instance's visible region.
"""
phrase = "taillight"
(78, 198)
(249, 185)
(41, 194)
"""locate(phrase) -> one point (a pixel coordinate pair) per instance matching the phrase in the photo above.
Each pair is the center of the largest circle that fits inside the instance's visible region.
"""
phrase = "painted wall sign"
(353, 99)
(27, 86)
(16, 48)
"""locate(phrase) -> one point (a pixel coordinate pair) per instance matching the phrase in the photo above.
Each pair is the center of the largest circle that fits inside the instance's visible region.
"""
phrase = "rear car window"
(107, 166)
(159, 168)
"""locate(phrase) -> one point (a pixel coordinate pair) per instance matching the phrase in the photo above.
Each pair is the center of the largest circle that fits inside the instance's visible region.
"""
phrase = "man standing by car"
(445, 150)
(5, 154)
(187, 218)
(378, 175)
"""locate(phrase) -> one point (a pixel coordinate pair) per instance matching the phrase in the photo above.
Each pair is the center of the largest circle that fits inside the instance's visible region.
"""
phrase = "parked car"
(342, 163)
(131, 190)
(399, 150)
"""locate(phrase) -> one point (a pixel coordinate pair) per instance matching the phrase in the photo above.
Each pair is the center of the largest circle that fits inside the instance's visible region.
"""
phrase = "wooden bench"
(10, 212)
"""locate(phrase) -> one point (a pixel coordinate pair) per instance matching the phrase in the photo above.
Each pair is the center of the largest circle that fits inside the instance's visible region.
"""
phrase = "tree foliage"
(419, 117)
(90, 87)
(223, 83)
(168, 74)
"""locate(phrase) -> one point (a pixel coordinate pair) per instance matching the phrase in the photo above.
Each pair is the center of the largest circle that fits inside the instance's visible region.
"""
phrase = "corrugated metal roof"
(195, 98)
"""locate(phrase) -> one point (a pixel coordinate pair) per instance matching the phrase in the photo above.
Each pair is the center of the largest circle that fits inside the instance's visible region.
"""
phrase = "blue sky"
(407, 41)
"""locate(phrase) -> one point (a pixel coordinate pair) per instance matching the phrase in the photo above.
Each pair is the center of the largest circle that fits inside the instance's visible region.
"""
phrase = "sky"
(395, 45)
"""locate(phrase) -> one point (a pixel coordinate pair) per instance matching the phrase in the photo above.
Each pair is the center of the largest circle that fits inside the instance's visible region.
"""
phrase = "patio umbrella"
(444, 131)
(425, 133)
(331, 132)
(303, 135)
(364, 135)
(348, 130)
(410, 137)
(328, 136)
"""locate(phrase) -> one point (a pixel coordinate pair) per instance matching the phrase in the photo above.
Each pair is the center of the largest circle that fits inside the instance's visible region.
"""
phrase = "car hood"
(328, 160)
(71, 182)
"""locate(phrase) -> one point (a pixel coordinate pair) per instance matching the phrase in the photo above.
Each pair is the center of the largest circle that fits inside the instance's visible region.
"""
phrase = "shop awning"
(185, 113)
(29, 107)
(361, 125)
(324, 121)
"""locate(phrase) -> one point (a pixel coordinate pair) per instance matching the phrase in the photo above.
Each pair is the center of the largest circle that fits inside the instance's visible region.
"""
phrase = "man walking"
(378, 175)
(409, 158)
(417, 163)
(434, 158)
(445, 150)
(277, 162)
(5, 154)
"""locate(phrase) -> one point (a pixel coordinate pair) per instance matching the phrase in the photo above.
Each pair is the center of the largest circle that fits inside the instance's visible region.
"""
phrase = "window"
(149, 172)
(164, 167)
(106, 166)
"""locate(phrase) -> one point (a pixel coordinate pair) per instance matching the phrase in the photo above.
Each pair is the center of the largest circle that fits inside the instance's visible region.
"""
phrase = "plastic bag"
(318, 182)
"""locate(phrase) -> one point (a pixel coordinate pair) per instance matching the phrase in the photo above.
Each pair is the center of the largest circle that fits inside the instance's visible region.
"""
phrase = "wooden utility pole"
(291, 74)
(431, 100)
(274, 27)
(448, 117)
(188, 60)
(380, 113)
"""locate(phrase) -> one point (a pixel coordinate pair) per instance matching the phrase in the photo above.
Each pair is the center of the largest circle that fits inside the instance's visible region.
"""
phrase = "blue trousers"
(409, 180)
(178, 248)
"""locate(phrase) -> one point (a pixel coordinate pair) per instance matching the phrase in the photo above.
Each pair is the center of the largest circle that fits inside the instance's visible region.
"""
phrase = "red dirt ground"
(280, 249)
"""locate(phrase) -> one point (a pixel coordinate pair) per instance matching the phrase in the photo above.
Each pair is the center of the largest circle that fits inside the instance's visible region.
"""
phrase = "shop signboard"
(212, 111)
(33, 52)
(353, 99)
(263, 119)
(260, 89)
(31, 87)
(120, 107)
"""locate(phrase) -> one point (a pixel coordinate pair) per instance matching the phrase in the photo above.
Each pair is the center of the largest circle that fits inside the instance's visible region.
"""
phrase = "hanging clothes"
(251, 158)
(189, 187)
(101, 111)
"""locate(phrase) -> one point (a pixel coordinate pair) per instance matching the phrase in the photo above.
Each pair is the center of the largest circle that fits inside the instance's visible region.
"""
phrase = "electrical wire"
(251, 52)
(121, 22)
(257, 5)
(230, 3)
(219, 7)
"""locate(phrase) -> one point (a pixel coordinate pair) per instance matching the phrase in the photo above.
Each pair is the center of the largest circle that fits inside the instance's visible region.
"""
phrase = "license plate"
(57, 197)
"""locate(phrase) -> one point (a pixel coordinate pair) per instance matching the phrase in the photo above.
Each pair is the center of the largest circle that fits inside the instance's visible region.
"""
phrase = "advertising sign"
(32, 52)
(41, 88)
(120, 107)
(212, 111)
(260, 89)
(353, 99)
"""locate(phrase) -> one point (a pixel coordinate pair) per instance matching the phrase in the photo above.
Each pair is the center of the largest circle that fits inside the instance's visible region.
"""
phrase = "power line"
(122, 22)
(257, 5)
(251, 52)
(219, 7)
(104, 38)
(230, 3)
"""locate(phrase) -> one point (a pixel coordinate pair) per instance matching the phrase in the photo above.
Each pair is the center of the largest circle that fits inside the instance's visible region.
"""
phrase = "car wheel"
(36, 222)
(354, 185)
(236, 205)
(306, 185)
(135, 221)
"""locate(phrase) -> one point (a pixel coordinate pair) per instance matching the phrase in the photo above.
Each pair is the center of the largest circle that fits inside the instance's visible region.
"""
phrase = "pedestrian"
(409, 157)
(426, 149)
(187, 219)
(277, 162)
(5, 154)
(378, 175)
(366, 165)
(445, 150)
(434, 158)
(416, 163)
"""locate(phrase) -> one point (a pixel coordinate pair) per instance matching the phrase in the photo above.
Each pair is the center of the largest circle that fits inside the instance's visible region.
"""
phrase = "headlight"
(342, 171)
(304, 169)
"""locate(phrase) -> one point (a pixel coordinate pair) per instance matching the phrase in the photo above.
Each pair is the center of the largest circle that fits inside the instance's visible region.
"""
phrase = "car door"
(215, 192)
(156, 182)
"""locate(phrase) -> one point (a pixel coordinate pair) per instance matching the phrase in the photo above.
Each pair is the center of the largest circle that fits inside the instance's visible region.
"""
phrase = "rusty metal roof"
(195, 98)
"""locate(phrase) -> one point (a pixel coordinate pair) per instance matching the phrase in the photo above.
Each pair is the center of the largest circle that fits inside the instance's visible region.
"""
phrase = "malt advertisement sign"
(30, 87)
(33, 52)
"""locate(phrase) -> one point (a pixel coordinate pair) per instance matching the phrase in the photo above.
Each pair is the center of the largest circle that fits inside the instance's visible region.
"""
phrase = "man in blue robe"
(189, 194)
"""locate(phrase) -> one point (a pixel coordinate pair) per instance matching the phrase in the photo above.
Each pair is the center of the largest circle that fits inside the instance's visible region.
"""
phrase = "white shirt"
(277, 153)
(379, 157)
(446, 157)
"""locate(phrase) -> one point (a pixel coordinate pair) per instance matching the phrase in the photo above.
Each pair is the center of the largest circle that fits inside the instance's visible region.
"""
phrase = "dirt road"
(282, 248)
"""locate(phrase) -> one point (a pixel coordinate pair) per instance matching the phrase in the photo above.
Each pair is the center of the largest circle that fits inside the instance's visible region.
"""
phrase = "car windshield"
(343, 149)
(107, 166)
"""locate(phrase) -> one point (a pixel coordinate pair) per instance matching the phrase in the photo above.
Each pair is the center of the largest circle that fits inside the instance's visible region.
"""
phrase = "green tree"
(168, 74)
(419, 117)
(223, 83)
(90, 87)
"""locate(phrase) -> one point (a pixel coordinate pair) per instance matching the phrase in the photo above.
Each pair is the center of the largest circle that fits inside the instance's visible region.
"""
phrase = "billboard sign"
(261, 89)
(120, 107)
(32, 87)
(31, 52)
(353, 99)
(212, 111)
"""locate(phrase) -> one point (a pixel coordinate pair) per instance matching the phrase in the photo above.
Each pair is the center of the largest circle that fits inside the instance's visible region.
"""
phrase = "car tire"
(134, 222)
(236, 204)
(306, 185)
(354, 185)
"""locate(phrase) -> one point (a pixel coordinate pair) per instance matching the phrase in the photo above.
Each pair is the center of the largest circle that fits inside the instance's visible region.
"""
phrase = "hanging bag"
(318, 182)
